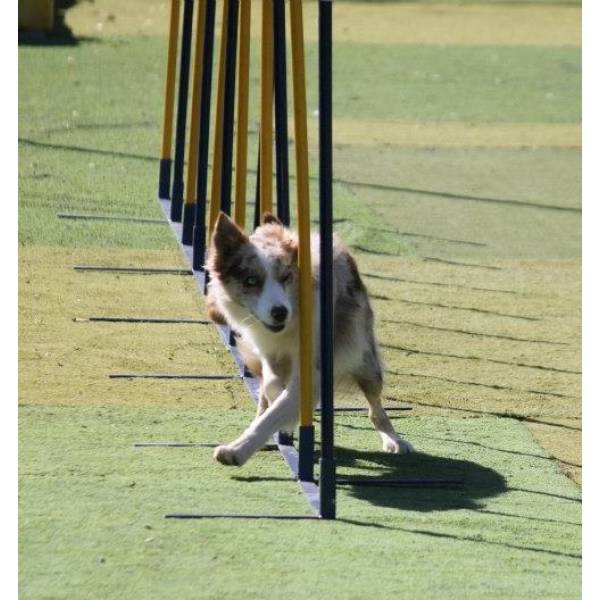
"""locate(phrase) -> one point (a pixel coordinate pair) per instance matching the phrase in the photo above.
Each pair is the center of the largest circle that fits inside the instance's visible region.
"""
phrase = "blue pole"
(327, 463)
(199, 241)
(182, 100)
(281, 126)
(228, 105)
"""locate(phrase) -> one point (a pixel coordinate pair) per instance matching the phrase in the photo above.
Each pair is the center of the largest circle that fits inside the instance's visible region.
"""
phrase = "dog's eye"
(251, 281)
(286, 277)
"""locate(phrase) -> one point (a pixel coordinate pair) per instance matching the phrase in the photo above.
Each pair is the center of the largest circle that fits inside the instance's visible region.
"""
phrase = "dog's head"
(258, 273)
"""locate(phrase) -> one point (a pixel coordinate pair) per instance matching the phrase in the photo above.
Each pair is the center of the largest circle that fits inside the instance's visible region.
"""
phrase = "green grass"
(100, 503)
(89, 142)
(482, 83)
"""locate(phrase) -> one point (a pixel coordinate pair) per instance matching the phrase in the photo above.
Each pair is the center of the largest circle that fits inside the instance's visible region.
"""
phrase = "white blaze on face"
(273, 293)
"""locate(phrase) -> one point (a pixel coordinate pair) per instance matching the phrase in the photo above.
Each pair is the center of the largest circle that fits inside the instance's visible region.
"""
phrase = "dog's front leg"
(270, 389)
(282, 414)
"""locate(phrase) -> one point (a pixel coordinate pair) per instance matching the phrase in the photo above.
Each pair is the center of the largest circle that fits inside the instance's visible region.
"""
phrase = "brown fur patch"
(271, 218)
(227, 245)
(213, 312)
(278, 241)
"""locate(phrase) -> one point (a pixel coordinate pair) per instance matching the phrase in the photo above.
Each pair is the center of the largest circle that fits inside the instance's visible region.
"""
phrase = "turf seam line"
(456, 263)
(464, 197)
(504, 415)
(428, 237)
(99, 217)
(487, 385)
(454, 307)
(474, 333)
(439, 284)
(410, 351)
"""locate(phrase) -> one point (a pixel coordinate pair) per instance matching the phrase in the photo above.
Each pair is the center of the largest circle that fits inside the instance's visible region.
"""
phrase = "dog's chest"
(281, 365)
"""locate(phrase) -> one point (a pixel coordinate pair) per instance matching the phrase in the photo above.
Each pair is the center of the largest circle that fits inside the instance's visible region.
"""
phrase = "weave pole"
(228, 105)
(281, 125)
(266, 109)
(184, 75)
(327, 478)
(190, 197)
(241, 156)
(257, 190)
(306, 433)
(215, 194)
(164, 176)
(199, 237)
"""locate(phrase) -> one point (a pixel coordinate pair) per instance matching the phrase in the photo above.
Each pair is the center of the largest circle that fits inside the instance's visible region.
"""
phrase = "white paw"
(226, 456)
(397, 446)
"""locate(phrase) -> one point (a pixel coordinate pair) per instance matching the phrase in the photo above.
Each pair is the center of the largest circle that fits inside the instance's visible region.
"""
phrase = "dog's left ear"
(227, 236)
(271, 219)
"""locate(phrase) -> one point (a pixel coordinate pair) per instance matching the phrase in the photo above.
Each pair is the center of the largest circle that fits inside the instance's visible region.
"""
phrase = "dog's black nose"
(279, 313)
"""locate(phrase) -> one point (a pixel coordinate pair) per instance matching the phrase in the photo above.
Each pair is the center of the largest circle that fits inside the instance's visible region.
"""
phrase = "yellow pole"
(266, 109)
(305, 292)
(215, 197)
(167, 137)
(192, 168)
(241, 160)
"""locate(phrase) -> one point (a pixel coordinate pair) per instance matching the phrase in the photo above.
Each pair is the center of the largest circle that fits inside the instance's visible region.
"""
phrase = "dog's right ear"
(227, 236)
(271, 219)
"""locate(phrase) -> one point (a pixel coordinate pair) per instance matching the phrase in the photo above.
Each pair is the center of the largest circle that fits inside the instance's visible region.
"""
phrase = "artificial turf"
(454, 345)
(98, 503)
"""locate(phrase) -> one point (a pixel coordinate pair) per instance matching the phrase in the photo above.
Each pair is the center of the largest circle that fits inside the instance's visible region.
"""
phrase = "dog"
(253, 287)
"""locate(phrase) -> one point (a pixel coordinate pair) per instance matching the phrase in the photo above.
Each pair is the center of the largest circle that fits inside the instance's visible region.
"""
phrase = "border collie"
(254, 288)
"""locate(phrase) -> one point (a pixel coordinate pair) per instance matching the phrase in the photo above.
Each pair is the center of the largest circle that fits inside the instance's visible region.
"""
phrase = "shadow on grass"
(479, 482)
(53, 39)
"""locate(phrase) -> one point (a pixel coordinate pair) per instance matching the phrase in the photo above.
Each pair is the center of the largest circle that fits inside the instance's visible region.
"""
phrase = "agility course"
(188, 218)
(455, 337)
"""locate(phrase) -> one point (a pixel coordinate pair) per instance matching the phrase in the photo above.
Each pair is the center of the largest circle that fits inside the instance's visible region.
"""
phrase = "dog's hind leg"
(370, 381)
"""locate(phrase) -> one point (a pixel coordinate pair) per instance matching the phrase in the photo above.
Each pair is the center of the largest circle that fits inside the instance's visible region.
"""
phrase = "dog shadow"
(445, 483)
(471, 482)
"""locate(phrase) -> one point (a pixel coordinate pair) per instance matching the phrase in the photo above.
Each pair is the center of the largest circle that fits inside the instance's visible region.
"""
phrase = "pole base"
(306, 448)
(177, 201)
(187, 233)
(285, 439)
(199, 248)
(327, 481)
(164, 179)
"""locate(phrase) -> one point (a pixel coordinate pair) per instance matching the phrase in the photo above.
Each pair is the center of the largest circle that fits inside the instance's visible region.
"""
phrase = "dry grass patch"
(64, 362)
(451, 135)
(384, 23)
